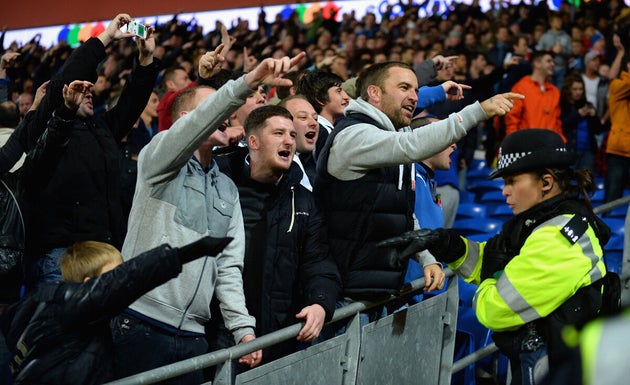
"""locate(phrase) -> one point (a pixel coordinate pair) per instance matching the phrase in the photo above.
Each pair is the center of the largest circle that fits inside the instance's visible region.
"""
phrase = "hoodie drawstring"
(292, 209)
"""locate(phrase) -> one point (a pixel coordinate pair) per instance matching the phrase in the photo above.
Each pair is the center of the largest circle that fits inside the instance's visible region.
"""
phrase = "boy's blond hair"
(86, 259)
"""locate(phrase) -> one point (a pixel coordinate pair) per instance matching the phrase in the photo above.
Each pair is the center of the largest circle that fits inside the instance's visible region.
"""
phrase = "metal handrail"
(219, 356)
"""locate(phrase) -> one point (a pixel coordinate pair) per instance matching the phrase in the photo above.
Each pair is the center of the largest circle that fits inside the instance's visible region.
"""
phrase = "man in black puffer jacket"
(288, 274)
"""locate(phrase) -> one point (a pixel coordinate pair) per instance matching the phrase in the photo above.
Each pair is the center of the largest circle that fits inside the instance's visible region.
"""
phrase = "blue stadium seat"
(617, 225)
(502, 212)
(470, 226)
(494, 198)
(618, 212)
(466, 197)
(471, 210)
(614, 260)
(483, 186)
(598, 198)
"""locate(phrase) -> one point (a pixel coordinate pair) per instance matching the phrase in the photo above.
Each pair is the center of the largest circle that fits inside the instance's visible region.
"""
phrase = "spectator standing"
(368, 158)
(325, 93)
(580, 122)
(595, 85)
(174, 80)
(288, 274)
(618, 145)
(558, 41)
(180, 194)
(71, 188)
(428, 205)
(11, 231)
(306, 132)
(541, 106)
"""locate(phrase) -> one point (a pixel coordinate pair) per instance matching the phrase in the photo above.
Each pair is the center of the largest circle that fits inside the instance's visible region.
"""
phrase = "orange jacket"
(539, 109)
(619, 106)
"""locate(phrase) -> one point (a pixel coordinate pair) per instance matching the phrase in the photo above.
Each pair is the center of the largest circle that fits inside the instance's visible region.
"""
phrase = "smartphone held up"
(136, 28)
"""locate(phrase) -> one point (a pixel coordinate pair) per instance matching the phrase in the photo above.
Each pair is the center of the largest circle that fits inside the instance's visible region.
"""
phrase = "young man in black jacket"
(288, 274)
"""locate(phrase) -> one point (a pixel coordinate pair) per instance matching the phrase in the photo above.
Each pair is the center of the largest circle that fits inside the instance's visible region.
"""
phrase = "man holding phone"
(71, 182)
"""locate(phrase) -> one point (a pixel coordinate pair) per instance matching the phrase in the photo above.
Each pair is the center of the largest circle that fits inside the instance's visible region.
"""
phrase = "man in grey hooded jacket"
(364, 176)
(180, 196)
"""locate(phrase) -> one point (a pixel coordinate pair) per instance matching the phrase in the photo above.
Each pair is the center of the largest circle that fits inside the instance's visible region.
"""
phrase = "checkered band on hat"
(508, 159)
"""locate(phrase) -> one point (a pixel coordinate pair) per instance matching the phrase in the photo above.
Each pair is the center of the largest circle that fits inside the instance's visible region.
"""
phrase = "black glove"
(495, 256)
(206, 246)
(445, 244)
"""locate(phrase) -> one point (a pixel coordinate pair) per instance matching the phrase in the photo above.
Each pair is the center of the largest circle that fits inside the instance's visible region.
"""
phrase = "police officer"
(544, 270)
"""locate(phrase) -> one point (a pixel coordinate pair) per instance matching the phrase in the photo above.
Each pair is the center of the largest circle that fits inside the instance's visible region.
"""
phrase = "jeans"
(44, 268)
(535, 367)
(586, 159)
(617, 176)
(140, 346)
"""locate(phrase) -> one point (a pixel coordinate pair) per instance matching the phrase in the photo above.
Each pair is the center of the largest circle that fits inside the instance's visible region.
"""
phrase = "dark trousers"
(140, 346)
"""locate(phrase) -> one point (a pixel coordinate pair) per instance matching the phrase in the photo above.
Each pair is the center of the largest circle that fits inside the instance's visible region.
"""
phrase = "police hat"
(532, 149)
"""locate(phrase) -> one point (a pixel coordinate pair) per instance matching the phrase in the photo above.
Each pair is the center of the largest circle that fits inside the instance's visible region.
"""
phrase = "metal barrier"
(390, 350)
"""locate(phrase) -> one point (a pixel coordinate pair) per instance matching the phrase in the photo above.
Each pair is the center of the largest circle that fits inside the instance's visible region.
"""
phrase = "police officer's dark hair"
(257, 119)
(580, 182)
(376, 75)
(315, 85)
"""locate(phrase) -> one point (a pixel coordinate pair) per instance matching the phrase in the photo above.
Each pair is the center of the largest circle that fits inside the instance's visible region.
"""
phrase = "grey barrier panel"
(349, 362)
(410, 346)
(330, 362)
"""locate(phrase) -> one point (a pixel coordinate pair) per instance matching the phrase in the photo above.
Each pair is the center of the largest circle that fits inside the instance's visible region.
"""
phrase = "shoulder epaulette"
(575, 228)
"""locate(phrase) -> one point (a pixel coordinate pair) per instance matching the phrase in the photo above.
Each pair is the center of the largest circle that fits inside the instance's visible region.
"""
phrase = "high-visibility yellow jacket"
(547, 271)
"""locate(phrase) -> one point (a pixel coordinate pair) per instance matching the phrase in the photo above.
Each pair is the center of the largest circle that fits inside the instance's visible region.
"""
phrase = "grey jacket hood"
(361, 106)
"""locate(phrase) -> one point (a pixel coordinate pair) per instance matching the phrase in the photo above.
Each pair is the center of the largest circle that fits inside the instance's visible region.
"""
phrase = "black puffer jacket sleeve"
(107, 295)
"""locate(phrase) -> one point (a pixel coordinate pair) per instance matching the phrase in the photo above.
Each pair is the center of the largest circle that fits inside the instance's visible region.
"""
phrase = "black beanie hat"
(532, 149)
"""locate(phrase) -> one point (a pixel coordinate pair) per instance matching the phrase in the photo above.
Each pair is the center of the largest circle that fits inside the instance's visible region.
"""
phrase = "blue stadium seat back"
(599, 182)
(477, 164)
(470, 226)
(614, 260)
(466, 292)
(482, 187)
(502, 212)
(466, 197)
(618, 212)
(598, 198)
(617, 225)
(464, 346)
(494, 196)
(471, 210)
(615, 242)
(496, 362)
